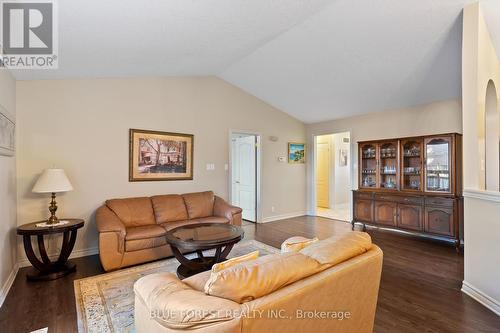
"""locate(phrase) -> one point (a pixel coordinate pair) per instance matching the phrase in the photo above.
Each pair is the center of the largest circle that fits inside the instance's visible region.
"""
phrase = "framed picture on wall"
(160, 156)
(296, 153)
(7, 133)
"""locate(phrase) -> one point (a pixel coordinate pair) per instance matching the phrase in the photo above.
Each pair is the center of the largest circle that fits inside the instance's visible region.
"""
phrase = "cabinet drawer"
(445, 202)
(400, 199)
(363, 195)
(387, 197)
(411, 200)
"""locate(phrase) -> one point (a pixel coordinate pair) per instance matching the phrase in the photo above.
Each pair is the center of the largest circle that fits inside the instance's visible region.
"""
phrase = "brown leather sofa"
(132, 230)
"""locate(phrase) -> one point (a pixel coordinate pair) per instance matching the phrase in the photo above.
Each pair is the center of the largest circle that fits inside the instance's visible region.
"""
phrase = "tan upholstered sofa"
(132, 230)
(329, 286)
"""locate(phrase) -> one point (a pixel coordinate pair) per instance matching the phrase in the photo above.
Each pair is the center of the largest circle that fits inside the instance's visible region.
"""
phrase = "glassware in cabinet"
(412, 154)
(389, 165)
(368, 166)
(438, 164)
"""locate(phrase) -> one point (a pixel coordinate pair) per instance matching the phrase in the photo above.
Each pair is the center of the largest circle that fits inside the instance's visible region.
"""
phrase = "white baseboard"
(23, 262)
(282, 217)
(481, 297)
(6, 286)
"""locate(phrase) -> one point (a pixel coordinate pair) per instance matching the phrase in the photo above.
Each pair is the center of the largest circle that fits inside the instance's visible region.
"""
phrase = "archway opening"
(492, 146)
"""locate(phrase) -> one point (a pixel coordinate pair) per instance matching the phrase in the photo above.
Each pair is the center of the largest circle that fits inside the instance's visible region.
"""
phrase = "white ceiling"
(359, 56)
(120, 38)
(314, 59)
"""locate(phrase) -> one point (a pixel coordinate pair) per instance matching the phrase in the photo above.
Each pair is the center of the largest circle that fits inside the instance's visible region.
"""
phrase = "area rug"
(105, 303)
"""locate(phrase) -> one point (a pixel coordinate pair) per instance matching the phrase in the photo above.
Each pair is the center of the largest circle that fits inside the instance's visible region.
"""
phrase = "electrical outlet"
(272, 209)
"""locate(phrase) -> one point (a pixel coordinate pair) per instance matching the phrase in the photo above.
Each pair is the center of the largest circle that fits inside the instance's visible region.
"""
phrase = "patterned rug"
(105, 303)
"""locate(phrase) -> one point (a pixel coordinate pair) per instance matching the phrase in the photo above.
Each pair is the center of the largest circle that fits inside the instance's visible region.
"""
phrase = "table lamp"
(52, 181)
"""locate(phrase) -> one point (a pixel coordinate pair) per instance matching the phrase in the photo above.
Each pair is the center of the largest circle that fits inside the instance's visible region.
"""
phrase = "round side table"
(45, 269)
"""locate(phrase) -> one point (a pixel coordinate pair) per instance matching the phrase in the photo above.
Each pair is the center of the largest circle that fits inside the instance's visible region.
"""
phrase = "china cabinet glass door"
(368, 165)
(438, 164)
(412, 156)
(388, 161)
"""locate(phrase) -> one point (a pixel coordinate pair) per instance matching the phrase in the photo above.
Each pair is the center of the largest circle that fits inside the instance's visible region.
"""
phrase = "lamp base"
(52, 220)
(52, 209)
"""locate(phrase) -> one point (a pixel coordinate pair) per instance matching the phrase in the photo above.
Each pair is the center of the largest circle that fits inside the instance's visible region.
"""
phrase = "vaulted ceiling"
(314, 59)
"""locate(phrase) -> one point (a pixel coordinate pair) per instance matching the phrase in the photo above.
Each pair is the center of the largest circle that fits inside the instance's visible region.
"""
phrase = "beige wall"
(7, 192)
(482, 208)
(82, 126)
(434, 118)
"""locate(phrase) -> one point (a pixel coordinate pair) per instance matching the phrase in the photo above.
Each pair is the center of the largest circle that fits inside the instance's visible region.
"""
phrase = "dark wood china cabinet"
(412, 184)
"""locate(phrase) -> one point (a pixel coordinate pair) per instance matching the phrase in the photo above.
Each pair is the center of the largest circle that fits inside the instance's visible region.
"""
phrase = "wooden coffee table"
(199, 237)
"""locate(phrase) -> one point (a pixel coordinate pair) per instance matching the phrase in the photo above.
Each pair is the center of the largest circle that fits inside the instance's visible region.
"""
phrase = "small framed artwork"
(7, 133)
(343, 157)
(160, 156)
(296, 153)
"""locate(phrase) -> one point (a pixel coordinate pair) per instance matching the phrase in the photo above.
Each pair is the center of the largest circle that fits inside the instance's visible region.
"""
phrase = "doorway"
(333, 176)
(245, 173)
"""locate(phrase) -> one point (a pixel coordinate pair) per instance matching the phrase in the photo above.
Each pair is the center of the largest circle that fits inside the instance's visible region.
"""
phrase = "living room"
(124, 199)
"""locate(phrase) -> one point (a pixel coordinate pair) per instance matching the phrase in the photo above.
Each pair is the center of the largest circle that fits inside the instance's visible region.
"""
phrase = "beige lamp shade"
(52, 181)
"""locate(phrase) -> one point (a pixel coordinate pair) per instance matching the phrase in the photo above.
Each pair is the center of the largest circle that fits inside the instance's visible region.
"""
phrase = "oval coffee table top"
(32, 229)
(204, 235)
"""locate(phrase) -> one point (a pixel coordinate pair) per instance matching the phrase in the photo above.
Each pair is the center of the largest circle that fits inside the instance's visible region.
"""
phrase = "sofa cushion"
(133, 212)
(235, 261)
(172, 225)
(199, 204)
(145, 243)
(198, 281)
(175, 305)
(144, 237)
(253, 279)
(147, 231)
(211, 219)
(297, 243)
(169, 208)
(336, 249)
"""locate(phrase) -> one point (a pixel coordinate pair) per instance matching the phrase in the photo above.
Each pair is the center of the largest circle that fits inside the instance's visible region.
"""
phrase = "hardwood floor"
(420, 287)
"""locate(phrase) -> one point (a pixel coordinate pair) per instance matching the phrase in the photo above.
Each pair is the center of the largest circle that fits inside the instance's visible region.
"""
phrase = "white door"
(244, 175)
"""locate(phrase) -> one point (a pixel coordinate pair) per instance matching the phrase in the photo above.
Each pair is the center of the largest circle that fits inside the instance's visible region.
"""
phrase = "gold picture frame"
(296, 153)
(160, 156)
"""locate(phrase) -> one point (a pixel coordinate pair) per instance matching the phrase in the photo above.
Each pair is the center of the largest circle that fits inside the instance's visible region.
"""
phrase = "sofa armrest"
(107, 221)
(177, 307)
(223, 209)
(112, 234)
